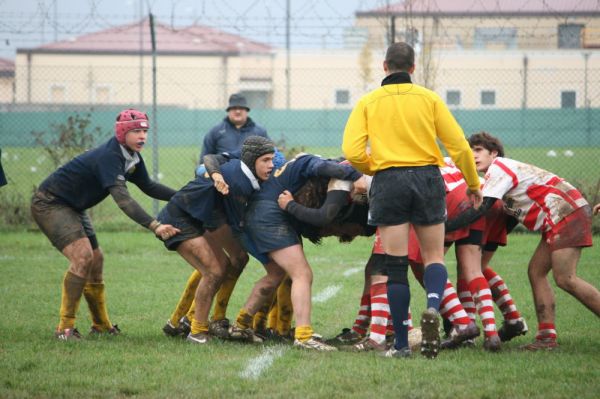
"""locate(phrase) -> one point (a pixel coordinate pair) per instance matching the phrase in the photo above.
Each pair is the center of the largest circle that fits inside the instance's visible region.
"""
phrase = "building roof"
(488, 8)
(192, 40)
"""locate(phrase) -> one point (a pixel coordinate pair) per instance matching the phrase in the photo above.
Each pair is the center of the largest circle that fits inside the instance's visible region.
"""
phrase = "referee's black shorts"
(415, 195)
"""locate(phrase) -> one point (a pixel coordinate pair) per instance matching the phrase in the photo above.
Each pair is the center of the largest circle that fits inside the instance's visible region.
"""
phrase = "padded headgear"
(130, 119)
(253, 148)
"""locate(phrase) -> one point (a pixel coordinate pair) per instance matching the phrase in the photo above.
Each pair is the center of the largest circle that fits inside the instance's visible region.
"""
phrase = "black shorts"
(59, 222)
(415, 195)
(269, 227)
(190, 227)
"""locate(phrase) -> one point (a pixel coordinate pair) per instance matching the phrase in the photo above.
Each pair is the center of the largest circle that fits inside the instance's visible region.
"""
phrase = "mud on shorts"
(415, 195)
(59, 222)
(269, 227)
(574, 231)
(190, 227)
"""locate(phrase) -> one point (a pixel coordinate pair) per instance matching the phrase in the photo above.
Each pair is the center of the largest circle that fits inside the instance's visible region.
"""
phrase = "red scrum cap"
(130, 119)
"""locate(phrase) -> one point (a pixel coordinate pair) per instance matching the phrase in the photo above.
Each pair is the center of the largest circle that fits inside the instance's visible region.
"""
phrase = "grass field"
(144, 281)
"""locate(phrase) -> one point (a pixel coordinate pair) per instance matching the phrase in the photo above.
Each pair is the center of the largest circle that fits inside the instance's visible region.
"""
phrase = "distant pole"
(141, 84)
(55, 10)
(288, 71)
(588, 124)
(525, 71)
(154, 109)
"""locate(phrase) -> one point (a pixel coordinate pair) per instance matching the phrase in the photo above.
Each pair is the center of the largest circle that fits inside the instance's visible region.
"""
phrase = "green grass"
(144, 281)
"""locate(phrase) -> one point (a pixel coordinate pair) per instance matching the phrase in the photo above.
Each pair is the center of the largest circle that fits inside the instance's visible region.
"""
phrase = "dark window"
(570, 35)
(453, 97)
(342, 97)
(488, 97)
(567, 99)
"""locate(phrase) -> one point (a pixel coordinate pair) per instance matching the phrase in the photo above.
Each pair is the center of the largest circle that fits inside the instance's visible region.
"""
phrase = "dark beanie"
(253, 148)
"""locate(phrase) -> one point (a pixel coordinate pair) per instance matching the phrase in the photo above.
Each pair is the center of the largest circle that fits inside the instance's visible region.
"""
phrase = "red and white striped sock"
(484, 303)
(361, 324)
(502, 296)
(451, 308)
(380, 312)
(464, 294)
(546, 332)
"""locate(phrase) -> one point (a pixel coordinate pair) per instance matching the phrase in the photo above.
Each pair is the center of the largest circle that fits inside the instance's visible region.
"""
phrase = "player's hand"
(476, 197)
(596, 209)
(166, 231)
(284, 199)
(359, 187)
(220, 184)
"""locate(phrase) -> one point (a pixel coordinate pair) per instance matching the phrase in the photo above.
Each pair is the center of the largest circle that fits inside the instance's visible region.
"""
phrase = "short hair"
(487, 141)
(400, 57)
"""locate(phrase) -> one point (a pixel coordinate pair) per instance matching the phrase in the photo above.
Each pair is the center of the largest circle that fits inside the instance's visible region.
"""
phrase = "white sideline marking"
(355, 270)
(327, 293)
(259, 364)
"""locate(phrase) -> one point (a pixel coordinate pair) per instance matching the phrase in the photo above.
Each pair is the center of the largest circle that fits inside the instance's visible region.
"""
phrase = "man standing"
(401, 122)
(236, 127)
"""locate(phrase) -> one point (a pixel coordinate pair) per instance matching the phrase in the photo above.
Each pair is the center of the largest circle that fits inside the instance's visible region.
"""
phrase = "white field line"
(352, 271)
(327, 293)
(258, 365)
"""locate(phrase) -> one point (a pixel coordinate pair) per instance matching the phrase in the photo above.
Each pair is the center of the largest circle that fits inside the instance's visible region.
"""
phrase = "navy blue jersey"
(84, 181)
(199, 197)
(295, 173)
(225, 137)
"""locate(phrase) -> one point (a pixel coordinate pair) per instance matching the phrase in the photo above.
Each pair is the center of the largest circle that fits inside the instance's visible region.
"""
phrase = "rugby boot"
(430, 330)
(171, 331)
(199, 339)
(185, 326)
(365, 345)
(492, 343)
(540, 345)
(244, 334)
(509, 331)
(114, 330)
(315, 345)
(347, 337)
(68, 334)
(402, 353)
(459, 334)
(219, 328)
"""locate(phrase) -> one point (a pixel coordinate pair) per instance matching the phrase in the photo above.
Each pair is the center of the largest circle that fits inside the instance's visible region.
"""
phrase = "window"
(488, 97)
(453, 97)
(495, 37)
(259, 99)
(58, 94)
(342, 97)
(567, 99)
(570, 35)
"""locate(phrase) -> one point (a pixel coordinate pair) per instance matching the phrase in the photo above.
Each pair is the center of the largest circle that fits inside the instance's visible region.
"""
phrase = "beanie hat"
(253, 148)
(237, 101)
(130, 119)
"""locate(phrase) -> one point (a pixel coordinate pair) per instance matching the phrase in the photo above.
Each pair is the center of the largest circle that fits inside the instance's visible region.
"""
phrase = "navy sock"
(398, 296)
(435, 278)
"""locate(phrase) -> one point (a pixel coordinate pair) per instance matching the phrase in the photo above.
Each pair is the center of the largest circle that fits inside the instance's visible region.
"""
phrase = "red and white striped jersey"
(453, 177)
(537, 198)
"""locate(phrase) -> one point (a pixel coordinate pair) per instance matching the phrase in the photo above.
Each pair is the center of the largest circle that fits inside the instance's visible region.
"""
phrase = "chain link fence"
(547, 117)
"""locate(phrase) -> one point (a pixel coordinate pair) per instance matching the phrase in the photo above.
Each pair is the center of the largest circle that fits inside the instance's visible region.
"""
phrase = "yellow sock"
(272, 318)
(69, 304)
(224, 294)
(285, 311)
(185, 302)
(96, 300)
(199, 327)
(244, 319)
(303, 333)
(190, 314)
(259, 323)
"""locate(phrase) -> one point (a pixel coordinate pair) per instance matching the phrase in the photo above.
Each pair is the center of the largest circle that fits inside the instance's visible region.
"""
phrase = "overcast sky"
(314, 23)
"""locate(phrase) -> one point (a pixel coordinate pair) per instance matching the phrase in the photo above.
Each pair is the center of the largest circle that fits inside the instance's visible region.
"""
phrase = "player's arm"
(157, 191)
(336, 170)
(131, 208)
(470, 215)
(354, 142)
(334, 202)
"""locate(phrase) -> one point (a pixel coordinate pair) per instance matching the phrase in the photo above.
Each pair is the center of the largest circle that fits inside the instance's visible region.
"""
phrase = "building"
(7, 81)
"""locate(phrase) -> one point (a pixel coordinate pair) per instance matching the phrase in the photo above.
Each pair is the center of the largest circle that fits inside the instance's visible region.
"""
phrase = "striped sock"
(464, 294)
(502, 296)
(451, 308)
(485, 306)
(361, 324)
(380, 312)
(546, 332)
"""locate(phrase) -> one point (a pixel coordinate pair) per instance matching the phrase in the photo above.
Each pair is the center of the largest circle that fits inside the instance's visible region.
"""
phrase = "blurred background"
(527, 71)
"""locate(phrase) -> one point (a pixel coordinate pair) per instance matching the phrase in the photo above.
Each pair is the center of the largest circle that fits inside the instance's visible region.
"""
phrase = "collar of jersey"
(250, 176)
(130, 160)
